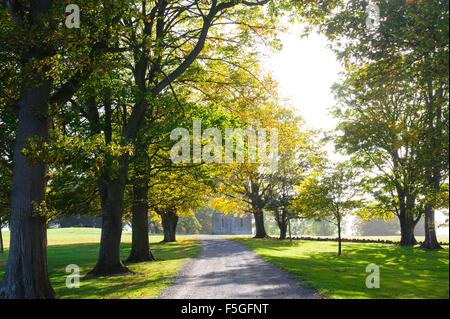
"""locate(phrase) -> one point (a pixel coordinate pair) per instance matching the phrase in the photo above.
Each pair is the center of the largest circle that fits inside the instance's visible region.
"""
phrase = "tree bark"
(434, 175)
(282, 222)
(26, 272)
(283, 231)
(140, 247)
(407, 225)
(430, 241)
(406, 218)
(169, 223)
(112, 201)
(259, 224)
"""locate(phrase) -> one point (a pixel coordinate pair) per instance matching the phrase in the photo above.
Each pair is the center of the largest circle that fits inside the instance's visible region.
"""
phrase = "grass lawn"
(404, 272)
(80, 246)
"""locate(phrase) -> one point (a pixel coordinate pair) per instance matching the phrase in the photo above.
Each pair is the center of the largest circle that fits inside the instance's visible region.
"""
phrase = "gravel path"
(226, 269)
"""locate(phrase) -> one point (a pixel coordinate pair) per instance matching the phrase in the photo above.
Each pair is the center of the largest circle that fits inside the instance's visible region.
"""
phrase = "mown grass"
(80, 246)
(404, 272)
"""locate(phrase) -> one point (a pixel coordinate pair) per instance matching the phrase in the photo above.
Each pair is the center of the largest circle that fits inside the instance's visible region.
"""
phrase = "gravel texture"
(227, 270)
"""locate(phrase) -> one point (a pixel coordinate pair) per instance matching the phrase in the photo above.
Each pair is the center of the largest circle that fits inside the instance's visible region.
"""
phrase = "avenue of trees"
(87, 119)
(393, 108)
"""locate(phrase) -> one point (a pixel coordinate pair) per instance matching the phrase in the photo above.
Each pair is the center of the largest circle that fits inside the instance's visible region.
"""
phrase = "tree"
(152, 162)
(246, 187)
(43, 68)
(380, 128)
(211, 71)
(407, 49)
(148, 160)
(311, 227)
(178, 193)
(244, 191)
(140, 247)
(299, 155)
(28, 182)
(7, 127)
(328, 197)
(157, 54)
(72, 197)
(189, 224)
(282, 216)
(37, 53)
(204, 218)
(152, 76)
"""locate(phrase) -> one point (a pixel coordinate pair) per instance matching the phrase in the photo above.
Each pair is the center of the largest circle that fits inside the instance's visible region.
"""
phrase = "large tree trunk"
(283, 231)
(430, 241)
(169, 223)
(407, 225)
(436, 161)
(112, 201)
(406, 218)
(282, 222)
(26, 272)
(259, 225)
(140, 247)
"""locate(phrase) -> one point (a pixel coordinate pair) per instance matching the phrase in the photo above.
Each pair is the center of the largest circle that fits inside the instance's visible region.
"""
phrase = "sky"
(305, 70)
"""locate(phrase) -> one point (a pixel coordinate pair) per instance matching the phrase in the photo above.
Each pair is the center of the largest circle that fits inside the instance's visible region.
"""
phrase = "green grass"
(80, 246)
(404, 272)
(441, 239)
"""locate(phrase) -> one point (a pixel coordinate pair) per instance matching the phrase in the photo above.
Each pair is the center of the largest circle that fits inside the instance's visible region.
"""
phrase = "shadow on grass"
(151, 276)
(404, 272)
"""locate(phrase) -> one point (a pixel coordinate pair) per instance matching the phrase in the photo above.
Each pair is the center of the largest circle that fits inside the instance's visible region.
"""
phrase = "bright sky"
(305, 70)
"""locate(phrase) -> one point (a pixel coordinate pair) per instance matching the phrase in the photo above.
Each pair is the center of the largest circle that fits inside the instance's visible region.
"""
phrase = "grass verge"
(404, 272)
(80, 246)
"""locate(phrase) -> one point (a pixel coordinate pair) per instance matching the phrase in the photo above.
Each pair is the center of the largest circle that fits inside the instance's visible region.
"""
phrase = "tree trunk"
(282, 222)
(140, 247)
(169, 223)
(283, 231)
(290, 234)
(407, 225)
(112, 201)
(259, 225)
(339, 238)
(434, 174)
(430, 241)
(26, 272)
(1, 241)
